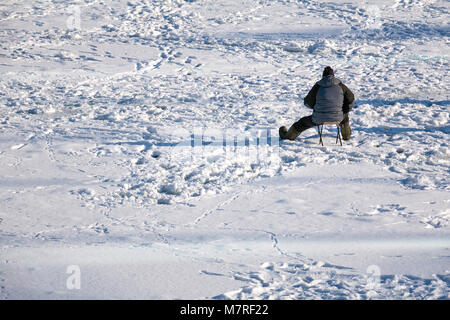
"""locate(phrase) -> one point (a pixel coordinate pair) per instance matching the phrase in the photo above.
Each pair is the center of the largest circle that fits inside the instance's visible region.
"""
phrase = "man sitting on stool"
(330, 100)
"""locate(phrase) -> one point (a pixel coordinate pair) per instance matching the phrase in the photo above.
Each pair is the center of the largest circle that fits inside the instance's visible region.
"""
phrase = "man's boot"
(346, 130)
(283, 132)
(290, 134)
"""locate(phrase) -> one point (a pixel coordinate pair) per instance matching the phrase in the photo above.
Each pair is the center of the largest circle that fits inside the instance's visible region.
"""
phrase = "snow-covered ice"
(139, 143)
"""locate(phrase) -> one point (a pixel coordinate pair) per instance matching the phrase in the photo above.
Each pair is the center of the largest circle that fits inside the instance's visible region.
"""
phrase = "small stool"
(320, 129)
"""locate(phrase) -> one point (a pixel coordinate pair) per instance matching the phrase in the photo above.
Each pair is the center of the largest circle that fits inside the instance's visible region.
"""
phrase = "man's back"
(329, 100)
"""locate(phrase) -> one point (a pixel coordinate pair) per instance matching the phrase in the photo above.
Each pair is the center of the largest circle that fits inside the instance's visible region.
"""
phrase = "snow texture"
(139, 141)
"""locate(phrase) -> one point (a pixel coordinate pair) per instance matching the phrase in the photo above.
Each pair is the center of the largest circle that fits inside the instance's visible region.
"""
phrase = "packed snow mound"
(324, 281)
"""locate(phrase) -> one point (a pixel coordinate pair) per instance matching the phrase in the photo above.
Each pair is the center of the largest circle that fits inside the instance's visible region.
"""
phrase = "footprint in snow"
(156, 154)
(18, 146)
(438, 221)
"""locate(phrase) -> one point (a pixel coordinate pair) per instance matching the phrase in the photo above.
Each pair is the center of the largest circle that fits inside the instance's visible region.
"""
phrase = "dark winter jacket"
(330, 99)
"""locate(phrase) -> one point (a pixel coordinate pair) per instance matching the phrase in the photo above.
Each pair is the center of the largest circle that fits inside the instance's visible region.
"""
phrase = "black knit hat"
(327, 72)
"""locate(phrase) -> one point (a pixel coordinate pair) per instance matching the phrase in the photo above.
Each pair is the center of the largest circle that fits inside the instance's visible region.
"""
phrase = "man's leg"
(297, 128)
(345, 128)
